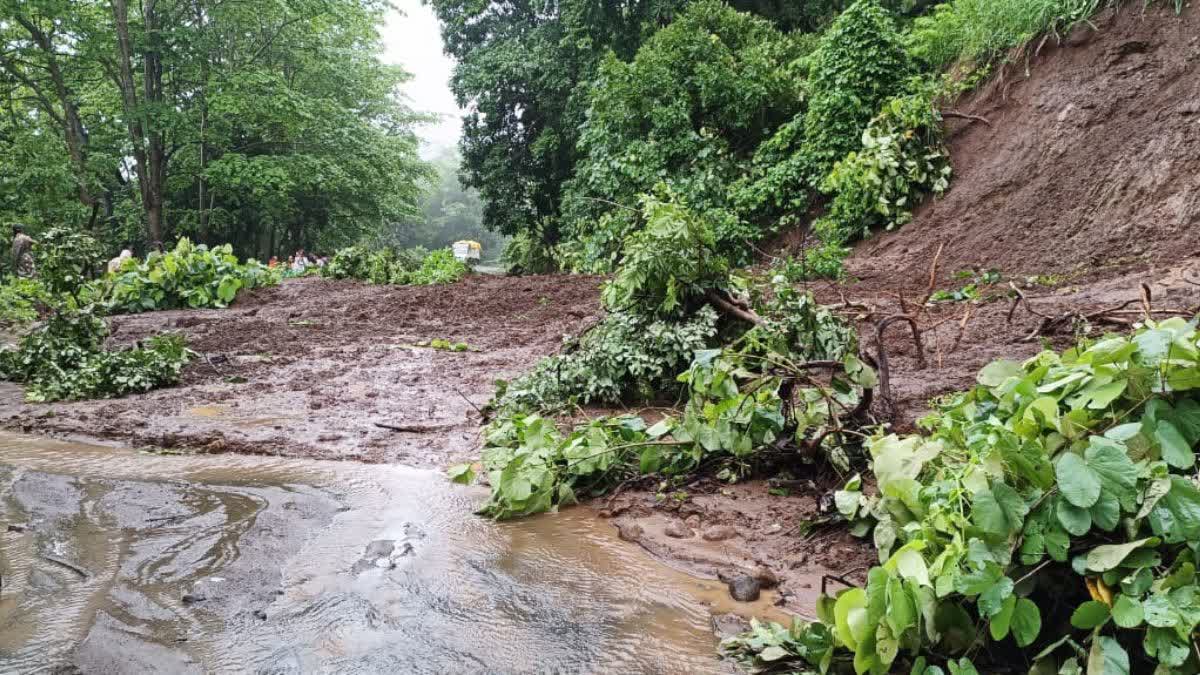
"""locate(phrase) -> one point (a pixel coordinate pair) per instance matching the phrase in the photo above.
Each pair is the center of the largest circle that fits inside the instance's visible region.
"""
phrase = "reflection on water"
(125, 561)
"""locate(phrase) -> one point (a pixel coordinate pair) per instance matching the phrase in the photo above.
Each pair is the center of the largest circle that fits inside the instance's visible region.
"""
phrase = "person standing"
(22, 253)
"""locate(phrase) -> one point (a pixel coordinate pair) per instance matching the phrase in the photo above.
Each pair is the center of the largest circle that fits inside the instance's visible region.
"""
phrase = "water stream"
(120, 561)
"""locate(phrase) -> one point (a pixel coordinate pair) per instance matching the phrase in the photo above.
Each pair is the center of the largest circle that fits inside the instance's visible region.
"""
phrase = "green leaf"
(463, 474)
(1110, 556)
(1127, 612)
(1002, 622)
(1074, 520)
(1176, 516)
(998, 510)
(1107, 657)
(1077, 481)
(997, 372)
(1026, 622)
(1159, 612)
(1175, 448)
(1089, 615)
(992, 600)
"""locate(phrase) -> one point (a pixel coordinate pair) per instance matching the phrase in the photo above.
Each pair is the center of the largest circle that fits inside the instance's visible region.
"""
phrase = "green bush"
(901, 159)
(688, 111)
(860, 63)
(415, 266)
(525, 253)
(64, 358)
(66, 259)
(20, 299)
(1050, 516)
(189, 276)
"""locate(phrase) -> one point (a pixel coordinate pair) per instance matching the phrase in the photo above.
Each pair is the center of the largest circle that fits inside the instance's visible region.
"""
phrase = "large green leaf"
(1077, 481)
(1109, 556)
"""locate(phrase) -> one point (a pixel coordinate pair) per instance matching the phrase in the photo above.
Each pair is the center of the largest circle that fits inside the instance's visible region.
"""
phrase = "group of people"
(299, 263)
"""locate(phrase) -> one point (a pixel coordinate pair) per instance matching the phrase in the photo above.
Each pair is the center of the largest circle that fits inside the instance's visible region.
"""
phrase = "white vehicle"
(467, 251)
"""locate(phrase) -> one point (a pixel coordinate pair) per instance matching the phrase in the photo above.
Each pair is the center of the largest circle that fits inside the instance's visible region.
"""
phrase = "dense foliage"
(20, 300)
(272, 126)
(65, 358)
(859, 64)
(1055, 506)
(190, 275)
(414, 266)
(689, 109)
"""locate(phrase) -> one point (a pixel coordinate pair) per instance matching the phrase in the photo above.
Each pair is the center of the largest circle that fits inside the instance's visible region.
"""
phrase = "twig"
(469, 402)
(965, 116)
(933, 269)
(414, 428)
(1146, 299)
(67, 564)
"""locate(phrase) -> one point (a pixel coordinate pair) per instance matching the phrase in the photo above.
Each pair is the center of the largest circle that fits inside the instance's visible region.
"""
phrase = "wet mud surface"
(118, 561)
(312, 367)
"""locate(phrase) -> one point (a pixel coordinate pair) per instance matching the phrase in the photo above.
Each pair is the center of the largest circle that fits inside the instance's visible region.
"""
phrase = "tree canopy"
(268, 125)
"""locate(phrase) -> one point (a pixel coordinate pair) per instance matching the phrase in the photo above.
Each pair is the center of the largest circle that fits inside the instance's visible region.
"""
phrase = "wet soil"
(118, 561)
(312, 368)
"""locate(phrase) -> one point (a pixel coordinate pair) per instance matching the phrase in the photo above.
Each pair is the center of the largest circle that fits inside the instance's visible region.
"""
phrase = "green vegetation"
(414, 266)
(20, 300)
(64, 358)
(1054, 507)
(270, 126)
(189, 276)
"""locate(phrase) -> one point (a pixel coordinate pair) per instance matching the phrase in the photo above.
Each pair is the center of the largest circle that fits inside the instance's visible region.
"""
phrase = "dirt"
(311, 367)
(1083, 185)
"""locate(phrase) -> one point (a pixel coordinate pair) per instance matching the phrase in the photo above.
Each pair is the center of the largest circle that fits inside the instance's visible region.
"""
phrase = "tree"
(270, 125)
(688, 111)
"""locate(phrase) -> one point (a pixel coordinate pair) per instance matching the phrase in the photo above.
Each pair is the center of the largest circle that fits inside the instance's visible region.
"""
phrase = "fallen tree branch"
(723, 303)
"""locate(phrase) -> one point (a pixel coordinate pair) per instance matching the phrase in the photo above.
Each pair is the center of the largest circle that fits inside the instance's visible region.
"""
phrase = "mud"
(312, 367)
(118, 561)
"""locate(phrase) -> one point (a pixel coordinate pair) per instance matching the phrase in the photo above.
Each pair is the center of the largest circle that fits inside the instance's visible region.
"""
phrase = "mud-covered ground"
(312, 367)
(1082, 186)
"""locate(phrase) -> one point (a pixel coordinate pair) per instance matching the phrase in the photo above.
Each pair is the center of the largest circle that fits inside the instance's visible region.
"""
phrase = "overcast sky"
(413, 39)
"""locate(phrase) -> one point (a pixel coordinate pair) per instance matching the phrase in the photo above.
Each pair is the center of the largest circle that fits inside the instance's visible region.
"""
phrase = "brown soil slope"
(1090, 171)
(1092, 160)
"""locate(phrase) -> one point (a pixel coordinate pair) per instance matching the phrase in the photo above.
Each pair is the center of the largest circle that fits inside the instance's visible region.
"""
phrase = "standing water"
(119, 561)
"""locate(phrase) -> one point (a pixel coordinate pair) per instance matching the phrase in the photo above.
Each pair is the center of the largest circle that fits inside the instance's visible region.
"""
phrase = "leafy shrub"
(189, 276)
(65, 359)
(66, 259)
(734, 409)
(860, 63)
(626, 354)
(1055, 504)
(20, 299)
(901, 159)
(678, 114)
(525, 253)
(414, 266)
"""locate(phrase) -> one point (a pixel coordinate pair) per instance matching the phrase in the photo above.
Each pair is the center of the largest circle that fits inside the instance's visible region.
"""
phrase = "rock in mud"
(744, 588)
(766, 576)
(679, 530)
(42, 581)
(719, 533)
(630, 531)
(193, 598)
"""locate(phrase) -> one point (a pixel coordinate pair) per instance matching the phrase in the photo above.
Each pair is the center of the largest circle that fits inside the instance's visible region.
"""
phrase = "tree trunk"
(149, 149)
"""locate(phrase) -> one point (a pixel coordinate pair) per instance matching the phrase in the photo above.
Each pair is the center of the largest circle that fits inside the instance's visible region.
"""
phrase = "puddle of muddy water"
(118, 561)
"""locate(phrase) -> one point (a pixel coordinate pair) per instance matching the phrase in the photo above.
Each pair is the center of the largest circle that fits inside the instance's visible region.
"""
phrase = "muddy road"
(119, 561)
(312, 367)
